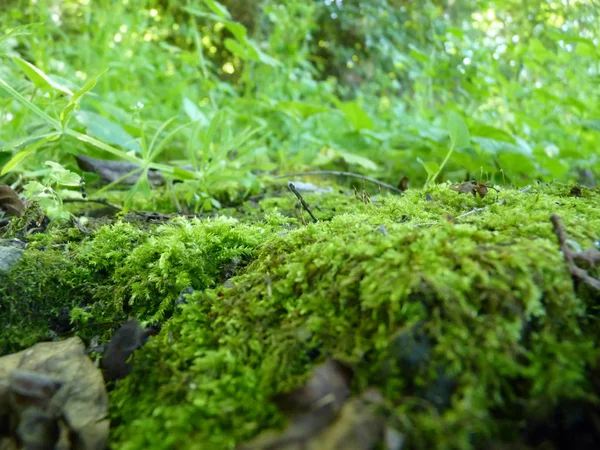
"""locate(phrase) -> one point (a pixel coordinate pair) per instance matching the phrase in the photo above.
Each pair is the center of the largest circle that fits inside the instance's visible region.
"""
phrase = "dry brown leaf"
(116, 361)
(10, 202)
(468, 187)
(327, 388)
(54, 397)
(403, 184)
(358, 426)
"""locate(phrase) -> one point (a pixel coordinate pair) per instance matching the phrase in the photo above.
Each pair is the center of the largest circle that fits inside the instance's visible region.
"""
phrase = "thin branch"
(570, 256)
(343, 174)
(304, 204)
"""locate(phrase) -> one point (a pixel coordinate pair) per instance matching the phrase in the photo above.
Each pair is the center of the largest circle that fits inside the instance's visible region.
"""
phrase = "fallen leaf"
(116, 362)
(403, 184)
(327, 389)
(358, 426)
(53, 397)
(111, 171)
(10, 202)
(468, 187)
(464, 188)
(323, 418)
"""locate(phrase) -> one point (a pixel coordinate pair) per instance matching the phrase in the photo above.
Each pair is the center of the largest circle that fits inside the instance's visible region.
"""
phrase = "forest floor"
(439, 318)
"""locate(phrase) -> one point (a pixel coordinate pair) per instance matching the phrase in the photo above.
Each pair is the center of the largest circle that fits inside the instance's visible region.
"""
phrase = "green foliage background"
(243, 88)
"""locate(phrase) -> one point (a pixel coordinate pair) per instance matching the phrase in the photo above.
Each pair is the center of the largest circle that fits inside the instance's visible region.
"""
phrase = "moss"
(466, 325)
(33, 293)
(117, 271)
(500, 325)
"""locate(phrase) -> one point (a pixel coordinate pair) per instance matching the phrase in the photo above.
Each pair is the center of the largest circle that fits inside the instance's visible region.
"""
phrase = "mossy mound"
(471, 327)
(473, 330)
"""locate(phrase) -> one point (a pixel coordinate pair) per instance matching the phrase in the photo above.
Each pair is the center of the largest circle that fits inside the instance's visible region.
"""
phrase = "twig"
(304, 204)
(343, 174)
(570, 256)
(102, 201)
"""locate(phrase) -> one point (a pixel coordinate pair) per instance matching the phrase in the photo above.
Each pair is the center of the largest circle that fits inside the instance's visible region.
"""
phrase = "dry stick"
(576, 271)
(304, 204)
(343, 174)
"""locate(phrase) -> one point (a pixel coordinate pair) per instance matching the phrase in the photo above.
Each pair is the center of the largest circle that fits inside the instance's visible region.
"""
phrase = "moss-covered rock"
(471, 326)
(468, 328)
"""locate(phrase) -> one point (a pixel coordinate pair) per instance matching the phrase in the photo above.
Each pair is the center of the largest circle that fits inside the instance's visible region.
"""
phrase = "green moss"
(500, 326)
(32, 294)
(117, 271)
(466, 324)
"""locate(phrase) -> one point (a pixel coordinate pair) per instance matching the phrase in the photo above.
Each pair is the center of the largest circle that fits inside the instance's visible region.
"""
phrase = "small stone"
(9, 256)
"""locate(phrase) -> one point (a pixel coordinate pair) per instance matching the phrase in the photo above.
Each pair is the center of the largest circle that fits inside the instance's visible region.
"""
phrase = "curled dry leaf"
(10, 202)
(52, 396)
(403, 184)
(357, 426)
(110, 171)
(468, 187)
(327, 389)
(323, 418)
(116, 361)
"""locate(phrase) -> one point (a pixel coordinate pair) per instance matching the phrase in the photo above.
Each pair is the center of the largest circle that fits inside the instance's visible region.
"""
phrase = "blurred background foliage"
(265, 87)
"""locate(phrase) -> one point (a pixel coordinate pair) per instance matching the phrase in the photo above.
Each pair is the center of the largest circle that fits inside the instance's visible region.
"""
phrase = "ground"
(471, 327)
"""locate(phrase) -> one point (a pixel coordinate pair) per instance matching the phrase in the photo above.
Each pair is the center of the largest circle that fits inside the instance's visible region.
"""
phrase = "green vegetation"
(460, 309)
(364, 86)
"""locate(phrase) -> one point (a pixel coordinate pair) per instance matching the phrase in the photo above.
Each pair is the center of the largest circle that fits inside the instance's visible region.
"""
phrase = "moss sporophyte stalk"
(465, 326)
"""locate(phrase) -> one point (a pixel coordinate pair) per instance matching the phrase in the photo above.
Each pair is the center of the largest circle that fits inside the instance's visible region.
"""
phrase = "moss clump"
(119, 270)
(468, 328)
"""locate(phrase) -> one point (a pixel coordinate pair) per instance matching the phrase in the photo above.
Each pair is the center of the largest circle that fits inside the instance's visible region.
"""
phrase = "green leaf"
(18, 31)
(593, 124)
(260, 55)
(102, 128)
(218, 9)
(457, 130)
(15, 160)
(244, 52)
(101, 145)
(155, 151)
(141, 186)
(239, 31)
(193, 112)
(28, 104)
(65, 114)
(303, 110)
(39, 78)
(183, 174)
(353, 158)
(63, 176)
(431, 167)
(356, 115)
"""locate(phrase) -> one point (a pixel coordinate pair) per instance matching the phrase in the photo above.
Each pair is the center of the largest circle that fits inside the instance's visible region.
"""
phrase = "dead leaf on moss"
(52, 396)
(403, 184)
(323, 418)
(357, 426)
(116, 361)
(10, 202)
(468, 187)
(327, 389)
